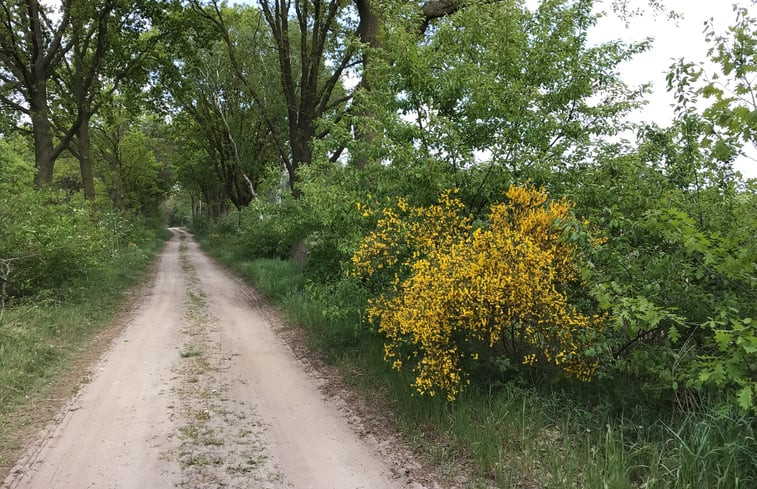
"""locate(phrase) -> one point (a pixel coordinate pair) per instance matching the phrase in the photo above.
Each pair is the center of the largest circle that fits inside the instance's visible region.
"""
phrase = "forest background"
(448, 196)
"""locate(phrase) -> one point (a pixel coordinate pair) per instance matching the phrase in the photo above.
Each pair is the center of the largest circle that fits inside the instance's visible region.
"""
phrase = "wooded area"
(456, 182)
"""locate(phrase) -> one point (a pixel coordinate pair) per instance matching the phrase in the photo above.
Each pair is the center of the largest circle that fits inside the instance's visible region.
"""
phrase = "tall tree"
(88, 48)
(112, 43)
(89, 39)
(462, 84)
(313, 50)
(32, 46)
(372, 32)
(416, 23)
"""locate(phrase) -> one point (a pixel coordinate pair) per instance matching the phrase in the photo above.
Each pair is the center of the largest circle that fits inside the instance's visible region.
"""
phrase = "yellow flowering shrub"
(454, 289)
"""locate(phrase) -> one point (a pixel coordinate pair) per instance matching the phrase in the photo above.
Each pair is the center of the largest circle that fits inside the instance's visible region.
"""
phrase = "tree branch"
(56, 50)
(435, 9)
(14, 105)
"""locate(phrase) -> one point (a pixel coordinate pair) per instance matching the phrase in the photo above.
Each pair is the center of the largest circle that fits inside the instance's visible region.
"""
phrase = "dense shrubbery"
(272, 230)
(52, 242)
(676, 293)
(677, 276)
(50, 245)
(647, 417)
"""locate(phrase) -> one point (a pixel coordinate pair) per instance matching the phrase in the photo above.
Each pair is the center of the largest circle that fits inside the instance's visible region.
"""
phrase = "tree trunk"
(85, 159)
(44, 151)
(370, 30)
(302, 154)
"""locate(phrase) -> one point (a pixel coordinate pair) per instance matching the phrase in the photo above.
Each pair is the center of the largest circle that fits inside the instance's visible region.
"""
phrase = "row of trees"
(64, 66)
(263, 83)
(270, 80)
(288, 84)
(61, 64)
(80, 162)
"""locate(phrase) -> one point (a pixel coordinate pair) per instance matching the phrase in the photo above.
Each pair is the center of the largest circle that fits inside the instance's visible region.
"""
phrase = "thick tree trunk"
(44, 151)
(370, 30)
(85, 158)
(302, 154)
(370, 24)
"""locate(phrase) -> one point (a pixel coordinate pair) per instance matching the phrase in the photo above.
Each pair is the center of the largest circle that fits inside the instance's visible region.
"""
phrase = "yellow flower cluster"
(405, 233)
(501, 285)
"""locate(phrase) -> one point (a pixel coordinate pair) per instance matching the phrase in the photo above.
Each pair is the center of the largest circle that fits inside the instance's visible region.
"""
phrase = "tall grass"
(531, 434)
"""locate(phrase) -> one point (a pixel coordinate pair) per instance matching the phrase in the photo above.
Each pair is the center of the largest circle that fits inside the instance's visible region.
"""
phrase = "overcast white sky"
(672, 40)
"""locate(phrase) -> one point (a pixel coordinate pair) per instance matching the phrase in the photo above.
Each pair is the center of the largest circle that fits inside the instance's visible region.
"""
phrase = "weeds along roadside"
(42, 334)
(526, 433)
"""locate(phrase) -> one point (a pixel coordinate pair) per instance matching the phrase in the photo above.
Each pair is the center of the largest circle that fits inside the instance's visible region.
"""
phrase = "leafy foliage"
(50, 241)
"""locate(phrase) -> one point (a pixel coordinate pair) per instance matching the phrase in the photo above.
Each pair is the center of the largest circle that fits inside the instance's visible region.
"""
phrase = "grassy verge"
(40, 337)
(532, 434)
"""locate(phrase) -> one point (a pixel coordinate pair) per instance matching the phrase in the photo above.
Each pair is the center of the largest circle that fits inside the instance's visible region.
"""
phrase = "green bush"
(53, 242)
(676, 273)
(270, 230)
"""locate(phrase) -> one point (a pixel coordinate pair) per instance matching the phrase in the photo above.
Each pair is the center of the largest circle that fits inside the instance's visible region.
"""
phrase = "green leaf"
(722, 338)
(673, 334)
(744, 397)
(750, 346)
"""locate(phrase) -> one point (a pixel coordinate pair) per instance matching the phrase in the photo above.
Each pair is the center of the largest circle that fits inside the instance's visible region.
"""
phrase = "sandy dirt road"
(200, 392)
